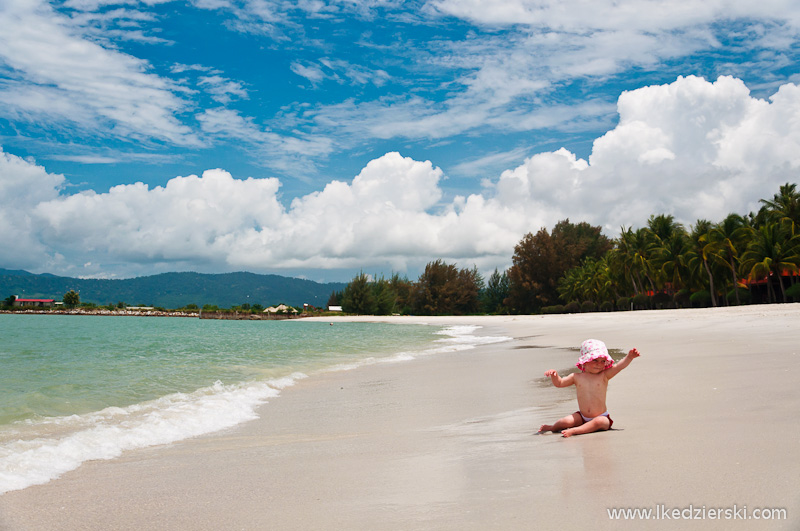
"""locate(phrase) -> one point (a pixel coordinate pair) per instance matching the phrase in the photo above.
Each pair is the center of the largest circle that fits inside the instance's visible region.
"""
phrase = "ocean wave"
(35, 452)
(463, 337)
(460, 337)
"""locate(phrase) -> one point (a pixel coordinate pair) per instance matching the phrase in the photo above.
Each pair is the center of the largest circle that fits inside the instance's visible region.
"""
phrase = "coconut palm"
(729, 239)
(784, 207)
(773, 250)
(597, 286)
(670, 256)
(569, 286)
(636, 252)
(591, 281)
(664, 226)
(698, 256)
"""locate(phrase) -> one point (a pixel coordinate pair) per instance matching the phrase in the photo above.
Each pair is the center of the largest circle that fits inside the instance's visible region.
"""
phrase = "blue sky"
(319, 137)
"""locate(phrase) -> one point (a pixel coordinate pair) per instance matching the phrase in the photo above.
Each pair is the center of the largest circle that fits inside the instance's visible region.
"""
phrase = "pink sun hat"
(593, 349)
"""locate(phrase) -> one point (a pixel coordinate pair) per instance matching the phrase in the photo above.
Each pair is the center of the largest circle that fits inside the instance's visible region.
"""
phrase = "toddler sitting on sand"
(597, 368)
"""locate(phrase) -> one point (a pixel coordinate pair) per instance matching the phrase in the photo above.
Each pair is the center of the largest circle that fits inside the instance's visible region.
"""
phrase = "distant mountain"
(14, 272)
(173, 290)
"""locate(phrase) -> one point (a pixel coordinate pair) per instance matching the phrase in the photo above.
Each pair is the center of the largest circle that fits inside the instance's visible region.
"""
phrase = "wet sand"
(704, 418)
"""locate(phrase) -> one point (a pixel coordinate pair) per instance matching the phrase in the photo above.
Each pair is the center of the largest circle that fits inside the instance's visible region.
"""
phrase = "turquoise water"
(76, 388)
(62, 365)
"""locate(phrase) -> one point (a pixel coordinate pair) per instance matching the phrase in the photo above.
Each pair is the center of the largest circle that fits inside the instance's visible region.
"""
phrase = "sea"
(80, 388)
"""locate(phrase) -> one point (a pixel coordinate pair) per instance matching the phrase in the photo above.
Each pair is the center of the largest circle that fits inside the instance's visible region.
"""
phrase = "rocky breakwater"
(103, 311)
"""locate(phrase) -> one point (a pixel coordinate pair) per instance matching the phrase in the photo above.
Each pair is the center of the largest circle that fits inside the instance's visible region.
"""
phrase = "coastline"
(197, 314)
(448, 441)
(104, 312)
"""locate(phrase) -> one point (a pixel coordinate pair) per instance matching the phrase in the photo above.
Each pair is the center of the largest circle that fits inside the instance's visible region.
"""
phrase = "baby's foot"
(567, 433)
(545, 427)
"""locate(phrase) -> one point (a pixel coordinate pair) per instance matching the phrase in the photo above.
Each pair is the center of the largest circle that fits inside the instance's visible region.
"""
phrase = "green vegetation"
(71, 299)
(442, 289)
(540, 260)
(575, 268)
(738, 260)
(496, 292)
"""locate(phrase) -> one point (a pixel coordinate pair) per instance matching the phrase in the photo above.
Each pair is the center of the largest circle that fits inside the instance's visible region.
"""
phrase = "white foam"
(458, 338)
(463, 337)
(35, 452)
(106, 434)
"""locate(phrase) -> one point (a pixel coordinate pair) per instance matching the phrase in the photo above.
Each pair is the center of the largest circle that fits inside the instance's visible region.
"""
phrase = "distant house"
(37, 303)
(334, 308)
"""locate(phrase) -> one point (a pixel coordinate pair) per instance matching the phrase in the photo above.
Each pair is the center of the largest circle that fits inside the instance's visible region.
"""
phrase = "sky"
(320, 138)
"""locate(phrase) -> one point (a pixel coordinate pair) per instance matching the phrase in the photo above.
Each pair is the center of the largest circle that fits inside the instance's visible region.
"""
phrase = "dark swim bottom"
(587, 419)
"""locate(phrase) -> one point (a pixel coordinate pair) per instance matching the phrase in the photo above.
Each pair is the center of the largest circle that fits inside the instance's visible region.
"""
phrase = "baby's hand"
(551, 373)
(633, 353)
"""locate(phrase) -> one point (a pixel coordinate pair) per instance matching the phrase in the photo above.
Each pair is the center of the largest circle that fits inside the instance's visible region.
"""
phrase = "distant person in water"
(597, 368)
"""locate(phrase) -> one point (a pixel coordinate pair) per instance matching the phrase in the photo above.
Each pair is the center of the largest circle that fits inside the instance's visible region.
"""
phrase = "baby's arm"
(632, 353)
(558, 381)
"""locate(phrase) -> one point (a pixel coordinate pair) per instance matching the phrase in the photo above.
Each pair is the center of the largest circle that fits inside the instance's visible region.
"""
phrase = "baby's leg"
(600, 423)
(563, 423)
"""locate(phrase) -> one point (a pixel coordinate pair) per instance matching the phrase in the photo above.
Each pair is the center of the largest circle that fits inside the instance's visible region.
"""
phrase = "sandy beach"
(704, 419)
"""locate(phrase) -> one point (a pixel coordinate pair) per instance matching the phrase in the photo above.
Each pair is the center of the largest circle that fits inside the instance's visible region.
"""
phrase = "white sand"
(706, 417)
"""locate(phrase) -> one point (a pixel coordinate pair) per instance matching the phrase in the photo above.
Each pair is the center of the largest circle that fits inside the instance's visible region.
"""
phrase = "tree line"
(741, 259)
(442, 289)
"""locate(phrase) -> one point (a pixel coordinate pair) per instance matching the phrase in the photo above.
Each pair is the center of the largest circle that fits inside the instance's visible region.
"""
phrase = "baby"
(597, 368)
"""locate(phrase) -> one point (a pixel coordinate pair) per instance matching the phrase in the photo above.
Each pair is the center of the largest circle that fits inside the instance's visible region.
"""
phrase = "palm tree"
(784, 206)
(604, 282)
(728, 238)
(664, 226)
(671, 257)
(590, 281)
(773, 250)
(669, 248)
(569, 286)
(699, 254)
(622, 256)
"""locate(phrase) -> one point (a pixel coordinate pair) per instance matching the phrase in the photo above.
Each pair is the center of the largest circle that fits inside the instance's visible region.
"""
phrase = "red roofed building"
(39, 303)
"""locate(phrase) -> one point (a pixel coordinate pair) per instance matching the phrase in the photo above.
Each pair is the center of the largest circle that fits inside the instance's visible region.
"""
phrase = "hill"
(173, 290)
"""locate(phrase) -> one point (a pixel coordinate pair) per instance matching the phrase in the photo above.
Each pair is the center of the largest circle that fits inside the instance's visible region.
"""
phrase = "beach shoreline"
(448, 441)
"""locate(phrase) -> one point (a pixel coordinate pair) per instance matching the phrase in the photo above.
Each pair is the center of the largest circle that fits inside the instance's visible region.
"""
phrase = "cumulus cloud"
(23, 187)
(691, 148)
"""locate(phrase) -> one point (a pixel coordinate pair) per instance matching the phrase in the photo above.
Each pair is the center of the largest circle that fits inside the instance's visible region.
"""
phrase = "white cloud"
(191, 218)
(293, 154)
(480, 166)
(311, 72)
(95, 5)
(59, 75)
(692, 148)
(508, 81)
(339, 71)
(644, 15)
(23, 186)
(222, 89)
(515, 79)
